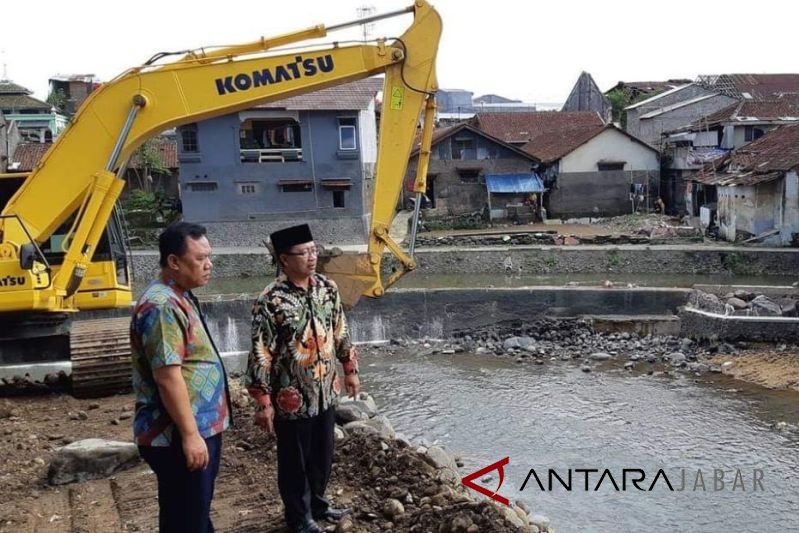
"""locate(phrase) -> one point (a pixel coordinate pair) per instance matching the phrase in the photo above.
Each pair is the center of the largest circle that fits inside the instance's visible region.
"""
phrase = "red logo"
(469, 480)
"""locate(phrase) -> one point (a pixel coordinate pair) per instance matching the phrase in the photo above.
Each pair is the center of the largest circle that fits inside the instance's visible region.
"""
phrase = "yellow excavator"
(63, 244)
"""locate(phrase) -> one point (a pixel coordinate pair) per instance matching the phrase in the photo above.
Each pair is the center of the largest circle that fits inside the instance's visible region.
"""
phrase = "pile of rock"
(745, 303)
(416, 485)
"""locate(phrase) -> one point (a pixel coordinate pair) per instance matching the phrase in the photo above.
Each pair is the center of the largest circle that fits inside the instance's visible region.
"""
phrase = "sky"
(528, 50)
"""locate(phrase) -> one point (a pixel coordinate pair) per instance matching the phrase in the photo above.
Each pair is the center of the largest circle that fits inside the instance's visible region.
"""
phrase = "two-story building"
(34, 120)
(308, 158)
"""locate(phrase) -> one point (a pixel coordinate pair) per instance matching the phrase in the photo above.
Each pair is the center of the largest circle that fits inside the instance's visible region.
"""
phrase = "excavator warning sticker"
(397, 96)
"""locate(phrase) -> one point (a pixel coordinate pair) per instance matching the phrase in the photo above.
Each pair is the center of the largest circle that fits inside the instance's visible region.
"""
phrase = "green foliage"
(148, 209)
(619, 99)
(58, 99)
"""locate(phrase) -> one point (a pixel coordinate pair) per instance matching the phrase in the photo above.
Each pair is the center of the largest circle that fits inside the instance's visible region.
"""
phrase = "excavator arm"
(78, 181)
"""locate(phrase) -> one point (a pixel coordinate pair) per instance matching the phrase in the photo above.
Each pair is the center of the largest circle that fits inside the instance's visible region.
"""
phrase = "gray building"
(754, 190)
(586, 96)
(308, 158)
(650, 119)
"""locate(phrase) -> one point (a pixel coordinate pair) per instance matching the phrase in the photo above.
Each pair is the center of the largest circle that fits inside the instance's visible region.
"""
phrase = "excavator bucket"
(351, 271)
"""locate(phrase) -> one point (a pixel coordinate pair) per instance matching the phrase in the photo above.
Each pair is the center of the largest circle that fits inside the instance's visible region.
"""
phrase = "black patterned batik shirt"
(297, 336)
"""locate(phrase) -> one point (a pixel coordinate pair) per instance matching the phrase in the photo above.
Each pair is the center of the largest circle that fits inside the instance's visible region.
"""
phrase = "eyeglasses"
(311, 252)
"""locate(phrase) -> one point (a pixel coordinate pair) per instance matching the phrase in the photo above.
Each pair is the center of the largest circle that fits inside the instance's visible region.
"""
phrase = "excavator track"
(100, 354)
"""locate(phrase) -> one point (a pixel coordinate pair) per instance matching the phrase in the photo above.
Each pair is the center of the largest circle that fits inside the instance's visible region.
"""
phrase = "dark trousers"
(184, 497)
(304, 461)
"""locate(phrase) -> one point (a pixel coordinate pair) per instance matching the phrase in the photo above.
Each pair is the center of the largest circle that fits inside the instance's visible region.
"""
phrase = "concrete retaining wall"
(586, 259)
(698, 324)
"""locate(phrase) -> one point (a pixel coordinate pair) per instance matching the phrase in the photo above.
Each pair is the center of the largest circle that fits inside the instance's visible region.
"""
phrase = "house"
(649, 119)
(679, 107)
(36, 121)
(754, 190)
(470, 171)
(586, 96)
(688, 149)
(589, 168)
(308, 158)
(72, 89)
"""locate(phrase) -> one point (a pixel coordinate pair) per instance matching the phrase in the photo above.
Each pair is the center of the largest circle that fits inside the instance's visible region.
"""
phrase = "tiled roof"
(765, 159)
(439, 134)
(168, 148)
(28, 156)
(784, 108)
(356, 95)
(22, 101)
(751, 86)
(521, 127)
(766, 85)
(549, 135)
(9, 87)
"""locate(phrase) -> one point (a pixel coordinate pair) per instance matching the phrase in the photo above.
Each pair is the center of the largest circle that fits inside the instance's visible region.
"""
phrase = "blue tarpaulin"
(514, 183)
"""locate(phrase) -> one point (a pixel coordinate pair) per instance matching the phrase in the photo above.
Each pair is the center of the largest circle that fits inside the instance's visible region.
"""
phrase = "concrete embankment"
(632, 259)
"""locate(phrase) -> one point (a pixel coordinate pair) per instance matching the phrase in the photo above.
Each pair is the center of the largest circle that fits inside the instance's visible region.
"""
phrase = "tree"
(58, 99)
(619, 99)
(146, 160)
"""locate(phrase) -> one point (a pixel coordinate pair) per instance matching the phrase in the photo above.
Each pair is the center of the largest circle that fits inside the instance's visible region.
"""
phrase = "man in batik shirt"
(298, 333)
(182, 400)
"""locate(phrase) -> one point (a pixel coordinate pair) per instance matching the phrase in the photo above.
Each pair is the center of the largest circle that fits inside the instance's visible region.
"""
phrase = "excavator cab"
(63, 246)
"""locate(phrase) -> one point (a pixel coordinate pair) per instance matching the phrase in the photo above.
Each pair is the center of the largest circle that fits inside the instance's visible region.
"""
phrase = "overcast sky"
(528, 50)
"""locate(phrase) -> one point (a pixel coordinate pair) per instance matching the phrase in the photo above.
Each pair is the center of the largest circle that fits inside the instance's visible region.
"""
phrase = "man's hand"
(352, 384)
(265, 418)
(196, 452)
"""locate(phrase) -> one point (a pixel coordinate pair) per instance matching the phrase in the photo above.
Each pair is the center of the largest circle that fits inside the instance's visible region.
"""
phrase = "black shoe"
(309, 526)
(332, 514)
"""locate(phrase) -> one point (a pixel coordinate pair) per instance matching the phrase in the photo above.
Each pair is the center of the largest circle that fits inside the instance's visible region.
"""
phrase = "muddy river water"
(555, 417)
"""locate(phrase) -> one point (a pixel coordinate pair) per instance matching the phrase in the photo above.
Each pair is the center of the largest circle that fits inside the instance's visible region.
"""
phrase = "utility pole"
(363, 12)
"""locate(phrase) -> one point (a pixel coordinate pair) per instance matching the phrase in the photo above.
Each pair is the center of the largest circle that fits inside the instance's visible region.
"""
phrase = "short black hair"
(172, 240)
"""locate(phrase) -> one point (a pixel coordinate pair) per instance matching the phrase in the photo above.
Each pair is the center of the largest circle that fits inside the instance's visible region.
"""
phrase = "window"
(752, 133)
(463, 148)
(202, 186)
(247, 188)
(270, 140)
(338, 198)
(610, 165)
(346, 134)
(295, 185)
(188, 136)
(469, 175)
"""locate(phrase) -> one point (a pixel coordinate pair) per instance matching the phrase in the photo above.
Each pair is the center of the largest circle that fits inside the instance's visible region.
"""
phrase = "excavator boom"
(51, 228)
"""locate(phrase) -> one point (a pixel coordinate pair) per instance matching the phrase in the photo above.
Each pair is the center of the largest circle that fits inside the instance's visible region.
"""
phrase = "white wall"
(790, 221)
(367, 128)
(610, 145)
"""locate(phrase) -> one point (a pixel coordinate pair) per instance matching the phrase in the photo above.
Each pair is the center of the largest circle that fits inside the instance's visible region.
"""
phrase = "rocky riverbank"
(391, 484)
(549, 341)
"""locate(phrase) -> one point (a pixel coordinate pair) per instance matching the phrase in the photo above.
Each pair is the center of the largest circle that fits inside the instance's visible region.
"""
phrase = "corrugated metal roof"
(678, 105)
(514, 183)
(658, 96)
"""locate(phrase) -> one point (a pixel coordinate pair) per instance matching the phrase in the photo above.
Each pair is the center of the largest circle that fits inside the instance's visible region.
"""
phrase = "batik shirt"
(167, 329)
(297, 336)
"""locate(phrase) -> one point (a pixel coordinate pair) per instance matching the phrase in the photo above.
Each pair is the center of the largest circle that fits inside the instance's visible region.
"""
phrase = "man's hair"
(172, 240)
